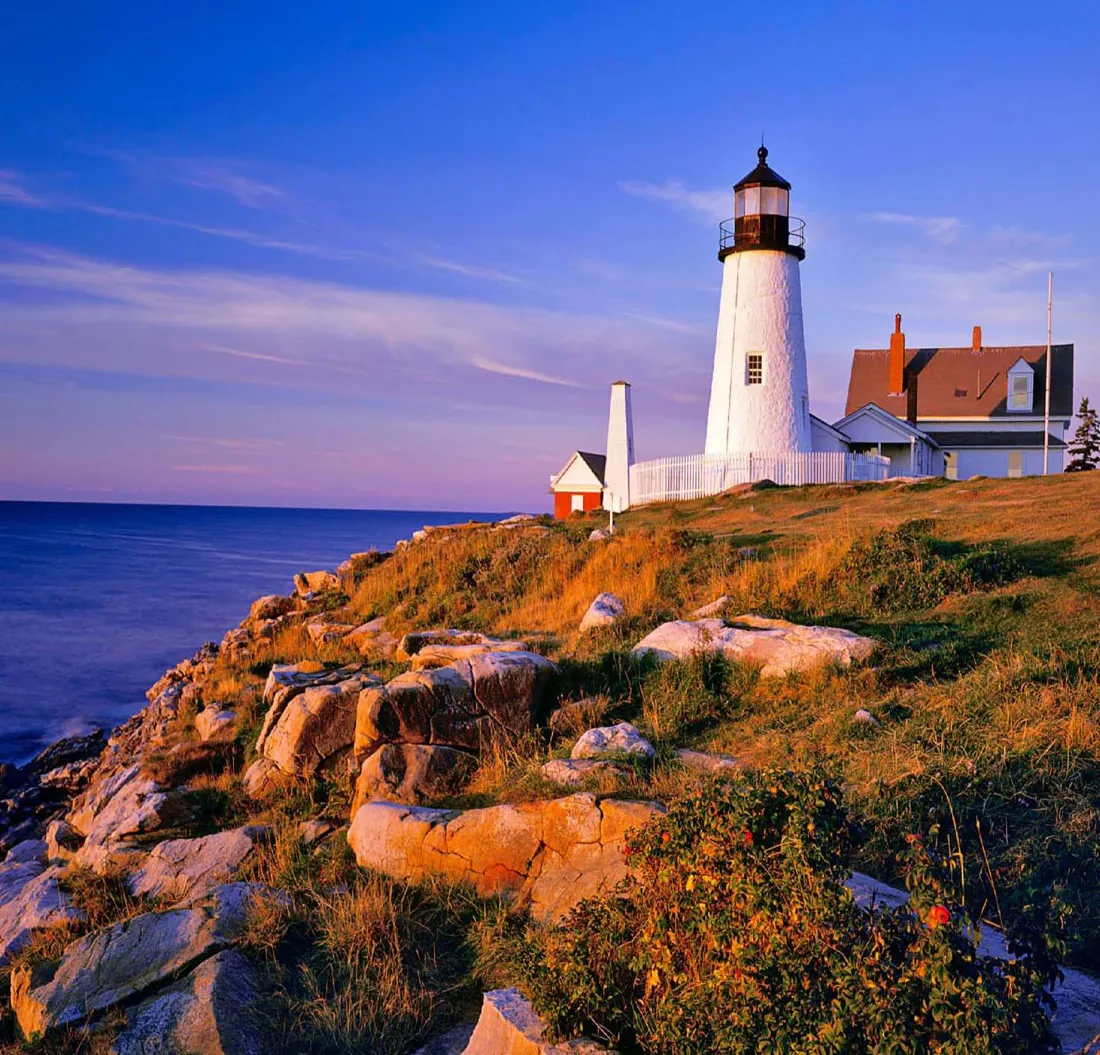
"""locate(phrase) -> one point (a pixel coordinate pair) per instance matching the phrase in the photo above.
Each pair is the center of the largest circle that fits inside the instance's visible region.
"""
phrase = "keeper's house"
(959, 411)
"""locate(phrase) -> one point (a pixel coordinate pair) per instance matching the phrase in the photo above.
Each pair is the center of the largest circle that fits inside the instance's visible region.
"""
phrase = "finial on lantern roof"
(762, 175)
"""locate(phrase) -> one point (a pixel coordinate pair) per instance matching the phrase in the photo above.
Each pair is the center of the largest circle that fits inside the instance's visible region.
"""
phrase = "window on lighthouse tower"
(755, 368)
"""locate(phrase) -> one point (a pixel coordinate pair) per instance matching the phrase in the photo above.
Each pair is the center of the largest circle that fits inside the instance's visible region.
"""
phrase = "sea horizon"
(494, 514)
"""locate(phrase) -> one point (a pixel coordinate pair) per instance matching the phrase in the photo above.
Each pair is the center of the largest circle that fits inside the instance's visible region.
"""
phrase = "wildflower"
(938, 916)
(746, 837)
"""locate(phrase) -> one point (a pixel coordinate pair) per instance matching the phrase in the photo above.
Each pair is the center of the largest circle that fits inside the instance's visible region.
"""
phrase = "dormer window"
(1021, 387)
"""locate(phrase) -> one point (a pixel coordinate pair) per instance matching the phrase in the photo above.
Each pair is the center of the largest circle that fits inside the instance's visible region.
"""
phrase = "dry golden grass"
(573, 717)
(541, 587)
(357, 961)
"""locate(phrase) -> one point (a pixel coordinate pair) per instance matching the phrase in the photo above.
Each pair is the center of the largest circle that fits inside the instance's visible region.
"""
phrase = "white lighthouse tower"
(759, 397)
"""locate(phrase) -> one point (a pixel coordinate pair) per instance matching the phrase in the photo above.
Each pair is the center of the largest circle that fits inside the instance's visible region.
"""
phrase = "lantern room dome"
(761, 215)
(762, 175)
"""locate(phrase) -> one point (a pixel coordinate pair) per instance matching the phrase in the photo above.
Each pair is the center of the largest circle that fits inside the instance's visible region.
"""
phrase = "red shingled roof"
(959, 382)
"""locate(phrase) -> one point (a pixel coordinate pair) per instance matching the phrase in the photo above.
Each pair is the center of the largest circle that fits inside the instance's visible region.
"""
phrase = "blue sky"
(383, 255)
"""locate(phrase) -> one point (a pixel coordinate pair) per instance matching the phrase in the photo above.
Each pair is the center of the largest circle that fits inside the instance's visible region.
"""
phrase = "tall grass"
(543, 585)
(356, 961)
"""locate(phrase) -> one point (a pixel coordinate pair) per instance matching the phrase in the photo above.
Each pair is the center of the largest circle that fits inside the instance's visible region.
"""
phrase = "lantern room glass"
(761, 201)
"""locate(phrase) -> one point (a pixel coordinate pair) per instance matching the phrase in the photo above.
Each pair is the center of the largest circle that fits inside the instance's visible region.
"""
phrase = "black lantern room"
(761, 217)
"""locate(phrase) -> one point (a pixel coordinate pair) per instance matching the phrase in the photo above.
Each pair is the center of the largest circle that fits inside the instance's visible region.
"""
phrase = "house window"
(576, 503)
(1015, 463)
(1021, 382)
(951, 464)
(1021, 393)
(755, 368)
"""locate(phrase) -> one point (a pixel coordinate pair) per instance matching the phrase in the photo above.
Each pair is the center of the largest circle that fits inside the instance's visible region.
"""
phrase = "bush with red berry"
(736, 933)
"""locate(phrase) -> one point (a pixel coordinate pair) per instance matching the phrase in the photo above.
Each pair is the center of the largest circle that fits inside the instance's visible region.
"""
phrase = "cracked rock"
(208, 1012)
(412, 773)
(549, 855)
(126, 960)
(30, 901)
(190, 868)
(471, 703)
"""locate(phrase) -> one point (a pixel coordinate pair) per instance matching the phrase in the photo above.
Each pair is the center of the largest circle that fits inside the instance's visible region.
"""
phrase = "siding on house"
(563, 502)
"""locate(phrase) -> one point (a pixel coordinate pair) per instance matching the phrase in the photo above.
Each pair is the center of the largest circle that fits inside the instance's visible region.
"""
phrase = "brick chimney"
(976, 339)
(897, 358)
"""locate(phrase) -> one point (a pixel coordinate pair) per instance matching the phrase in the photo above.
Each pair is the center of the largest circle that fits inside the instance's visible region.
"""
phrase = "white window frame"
(750, 372)
(1028, 375)
(951, 465)
(1018, 471)
(576, 502)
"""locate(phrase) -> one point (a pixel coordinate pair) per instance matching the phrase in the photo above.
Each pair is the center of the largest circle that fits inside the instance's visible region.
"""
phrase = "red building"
(579, 486)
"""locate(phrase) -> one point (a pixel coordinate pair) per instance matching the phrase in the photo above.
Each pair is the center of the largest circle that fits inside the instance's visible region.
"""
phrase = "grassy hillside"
(985, 596)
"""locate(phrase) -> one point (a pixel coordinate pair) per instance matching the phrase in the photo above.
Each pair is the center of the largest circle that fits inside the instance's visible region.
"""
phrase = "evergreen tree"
(1085, 448)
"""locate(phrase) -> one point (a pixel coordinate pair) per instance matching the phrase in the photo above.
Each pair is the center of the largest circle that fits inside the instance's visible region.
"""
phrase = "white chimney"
(620, 449)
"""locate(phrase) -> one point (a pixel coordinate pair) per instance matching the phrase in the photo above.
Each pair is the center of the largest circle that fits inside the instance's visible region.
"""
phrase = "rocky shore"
(397, 724)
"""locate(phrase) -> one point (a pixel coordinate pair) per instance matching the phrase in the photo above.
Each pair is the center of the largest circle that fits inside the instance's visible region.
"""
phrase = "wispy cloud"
(263, 357)
(225, 178)
(243, 469)
(301, 333)
(715, 205)
(674, 325)
(243, 443)
(13, 192)
(236, 234)
(319, 361)
(517, 371)
(941, 229)
(472, 271)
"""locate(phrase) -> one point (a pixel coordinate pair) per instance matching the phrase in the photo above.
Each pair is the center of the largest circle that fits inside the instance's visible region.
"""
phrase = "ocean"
(98, 600)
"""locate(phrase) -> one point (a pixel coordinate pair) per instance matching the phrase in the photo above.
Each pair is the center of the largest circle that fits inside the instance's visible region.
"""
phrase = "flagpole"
(1046, 413)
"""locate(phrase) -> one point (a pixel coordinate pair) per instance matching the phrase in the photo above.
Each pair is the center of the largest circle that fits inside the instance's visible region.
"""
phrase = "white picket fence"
(699, 475)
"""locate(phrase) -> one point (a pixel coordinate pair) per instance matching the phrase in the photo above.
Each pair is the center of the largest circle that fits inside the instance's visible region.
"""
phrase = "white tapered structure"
(620, 449)
(759, 397)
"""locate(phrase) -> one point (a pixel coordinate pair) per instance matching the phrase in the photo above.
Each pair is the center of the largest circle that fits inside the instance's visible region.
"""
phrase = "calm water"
(96, 601)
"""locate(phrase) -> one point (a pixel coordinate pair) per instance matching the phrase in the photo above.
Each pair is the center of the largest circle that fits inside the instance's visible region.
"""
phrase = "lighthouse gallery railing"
(700, 475)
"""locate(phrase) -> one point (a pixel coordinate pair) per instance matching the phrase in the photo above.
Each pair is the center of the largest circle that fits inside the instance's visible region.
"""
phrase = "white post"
(1046, 411)
(620, 448)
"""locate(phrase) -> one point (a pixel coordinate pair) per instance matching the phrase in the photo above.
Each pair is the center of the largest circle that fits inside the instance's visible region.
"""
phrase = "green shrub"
(906, 570)
(736, 934)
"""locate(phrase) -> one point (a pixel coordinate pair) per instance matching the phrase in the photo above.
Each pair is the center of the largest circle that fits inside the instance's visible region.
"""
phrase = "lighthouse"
(759, 397)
